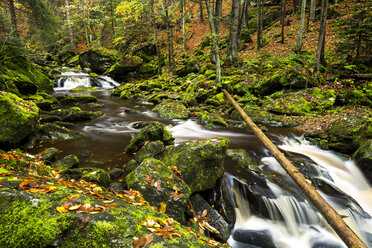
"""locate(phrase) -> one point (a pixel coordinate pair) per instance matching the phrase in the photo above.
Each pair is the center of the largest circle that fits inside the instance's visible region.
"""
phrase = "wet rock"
(49, 118)
(200, 162)
(18, 118)
(130, 111)
(242, 157)
(115, 173)
(171, 110)
(98, 63)
(157, 183)
(117, 186)
(72, 100)
(140, 124)
(216, 220)
(157, 98)
(187, 68)
(348, 134)
(152, 132)
(55, 132)
(68, 162)
(153, 149)
(96, 175)
(48, 155)
(211, 119)
(131, 166)
(363, 157)
(83, 88)
(323, 242)
(265, 118)
(258, 238)
(75, 114)
(353, 97)
(127, 64)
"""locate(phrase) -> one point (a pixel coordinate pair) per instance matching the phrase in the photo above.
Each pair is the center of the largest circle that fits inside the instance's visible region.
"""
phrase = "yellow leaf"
(61, 209)
(163, 207)
(72, 208)
(98, 189)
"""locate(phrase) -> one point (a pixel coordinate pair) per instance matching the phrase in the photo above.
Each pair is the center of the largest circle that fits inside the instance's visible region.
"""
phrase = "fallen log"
(332, 217)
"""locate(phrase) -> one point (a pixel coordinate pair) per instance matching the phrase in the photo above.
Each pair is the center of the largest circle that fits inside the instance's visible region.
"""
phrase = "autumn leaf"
(75, 207)
(176, 196)
(61, 210)
(82, 221)
(157, 185)
(163, 207)
(142, 241)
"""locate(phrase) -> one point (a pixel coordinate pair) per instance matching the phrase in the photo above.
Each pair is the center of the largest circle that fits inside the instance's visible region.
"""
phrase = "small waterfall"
(69, 80)
(294, 222)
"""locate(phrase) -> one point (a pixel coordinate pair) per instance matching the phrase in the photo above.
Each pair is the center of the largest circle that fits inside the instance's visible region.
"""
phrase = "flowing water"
(271, 207)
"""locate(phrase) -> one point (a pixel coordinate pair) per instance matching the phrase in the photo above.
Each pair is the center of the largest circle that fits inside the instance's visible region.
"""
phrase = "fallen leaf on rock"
(82, 221)
(176, 196)
(142, 241)
(157, 185)
(75, 207)
(61, 210)
(5, 174)
(163, 207)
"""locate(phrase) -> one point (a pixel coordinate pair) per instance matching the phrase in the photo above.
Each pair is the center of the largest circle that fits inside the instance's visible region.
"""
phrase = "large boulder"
(18, 118)
(52, 131)
(154, 149)
(152, 132)
(171, 110)
(98, 63)
(348, 134)
(187, 68)
(75, 114)
(159, 184)
(200, 162)
(363, 157)
(95, 175)
(124, 66)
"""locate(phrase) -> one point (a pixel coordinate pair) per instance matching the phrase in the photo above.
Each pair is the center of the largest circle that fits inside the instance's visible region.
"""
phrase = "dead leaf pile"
(33, 186)
(142, 241)
(202, 219)
(161, 228)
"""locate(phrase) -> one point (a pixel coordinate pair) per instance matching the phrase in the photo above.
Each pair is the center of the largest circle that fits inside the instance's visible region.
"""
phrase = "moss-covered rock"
(53, 131)
(75, 114)
(152, 132)
(154, 149)
(290, 104)
(353, 97)
(125, 65)
(68, 162)
(96, 175)
(83, 88)
(211, 119)
(242, 158)
(95, 61)
(187, 68)
(200, 162)
(72, 100)
(159, 184)
(348, 134)
(363, 157)
(18, 118)
(48, 155)
(171, 110)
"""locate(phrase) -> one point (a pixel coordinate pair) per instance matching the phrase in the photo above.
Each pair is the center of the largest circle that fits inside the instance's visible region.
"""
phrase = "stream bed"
(268, 205)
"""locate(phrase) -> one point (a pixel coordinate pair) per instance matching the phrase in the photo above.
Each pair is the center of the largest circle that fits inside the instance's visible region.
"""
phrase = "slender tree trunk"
(215, 45)
(295, 5)
(246, 16)
(82, 5)
(232, 52)
(259, 23)
(155, 29)
(242, 14)
(69, 25)
(283, 4)
(201, 11)
(13, 18)
(302, 25)
(312, 9)
(216, 19)
(307, 26)
(183, 25)
(170, 45)
(112, 13)
(321, 38)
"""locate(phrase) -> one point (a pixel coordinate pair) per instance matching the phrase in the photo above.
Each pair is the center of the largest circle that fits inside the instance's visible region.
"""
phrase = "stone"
(68, 162)
(152, 132)
(171, 110)
(95, 61)
(115, 173)
(51, 131)
(200, 162)
(125, 65)
(363, 158)
(259, 238)
(96, 175)
(48, 155)
(158, 183)
(154, 149)
(187, 68)
(18, 118)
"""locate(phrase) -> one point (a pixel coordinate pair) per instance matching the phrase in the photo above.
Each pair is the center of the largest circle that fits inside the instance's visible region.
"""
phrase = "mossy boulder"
(43, 100)
(148, 69)
(83, 88)
(95, 61)
(263, 117)
(154, 149)
(348, 134)
(96, 175)
(53, 131)
(242, 157)
(125, 65)
(171, 110)
(152, 132)
(72, 100)
(18, 118)
(211, 119)
(187, 68)
(363, 158)
(75, 114)
(158, 183)
(290, 104)
(68, 162)
(200, 162)
(353, 97)
(49, 154)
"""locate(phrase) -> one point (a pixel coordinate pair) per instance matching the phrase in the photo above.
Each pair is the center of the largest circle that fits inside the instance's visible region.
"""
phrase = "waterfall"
(295, 222)
(69, 80)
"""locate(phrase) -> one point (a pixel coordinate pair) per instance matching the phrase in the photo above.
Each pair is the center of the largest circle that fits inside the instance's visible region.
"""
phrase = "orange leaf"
(82, 221)
(142, 241)
(157, 184)
(75, 207)
(61, 209)
(176, 197)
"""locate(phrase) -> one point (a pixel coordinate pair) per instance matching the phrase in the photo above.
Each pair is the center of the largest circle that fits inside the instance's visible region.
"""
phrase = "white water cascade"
(295, 223)
(69, 80)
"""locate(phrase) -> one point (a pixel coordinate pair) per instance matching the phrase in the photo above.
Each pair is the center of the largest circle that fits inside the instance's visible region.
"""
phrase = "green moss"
(82, 88)
(171, 110)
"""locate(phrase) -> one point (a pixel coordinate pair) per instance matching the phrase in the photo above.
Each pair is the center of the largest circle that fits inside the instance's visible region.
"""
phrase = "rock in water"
(18, 118)
(152, 132)
(261, 238)
(200, 162)
(159, 184)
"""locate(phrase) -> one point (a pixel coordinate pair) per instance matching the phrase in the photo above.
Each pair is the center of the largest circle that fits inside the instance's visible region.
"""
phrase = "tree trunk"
(295, 5)
(215, 45)
(216, 19)
(82, 5)
(259, 23)
(13, 18)
(69, 25)
(232, 52)
(283, 4)
(171, 47)
(243, 11)
(183, 25)
(331, 216)
(112, 13)
(312, 9)
(246, 16)
(201, 11)
(302, 25)
(321, 38)
(170, 60)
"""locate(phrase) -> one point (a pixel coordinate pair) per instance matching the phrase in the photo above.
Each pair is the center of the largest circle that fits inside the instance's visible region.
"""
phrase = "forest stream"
(270, 210)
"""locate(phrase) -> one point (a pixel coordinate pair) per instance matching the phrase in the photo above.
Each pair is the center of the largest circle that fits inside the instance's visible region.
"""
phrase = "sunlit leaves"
(142, 241)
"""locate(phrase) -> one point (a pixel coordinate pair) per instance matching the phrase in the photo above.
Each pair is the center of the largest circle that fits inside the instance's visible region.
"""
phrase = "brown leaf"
(142, 241)
(176, 197)
(82, 221)
(157, 184)
(74, 207)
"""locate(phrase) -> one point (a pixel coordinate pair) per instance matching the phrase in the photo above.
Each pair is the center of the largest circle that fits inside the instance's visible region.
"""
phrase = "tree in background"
(232, 52)
(319, 57)
(301, 28)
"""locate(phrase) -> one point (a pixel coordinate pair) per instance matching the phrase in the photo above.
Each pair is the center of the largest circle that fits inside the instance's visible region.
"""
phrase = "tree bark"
(201, 11)
(183, 25)
(13, 18)
(321, 38)
(295, 5)
(170, 45)
(332, 217)
(242, 14)
(232, 52)
(82, 5)
(312, 9)
(302, 25)
(215, 45)
(259, 23)
(67, 6)
(283, 11)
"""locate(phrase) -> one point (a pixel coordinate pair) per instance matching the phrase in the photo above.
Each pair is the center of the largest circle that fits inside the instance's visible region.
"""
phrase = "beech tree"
(301, 28)
(259, 23)
(319, 57)
(232, 52)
